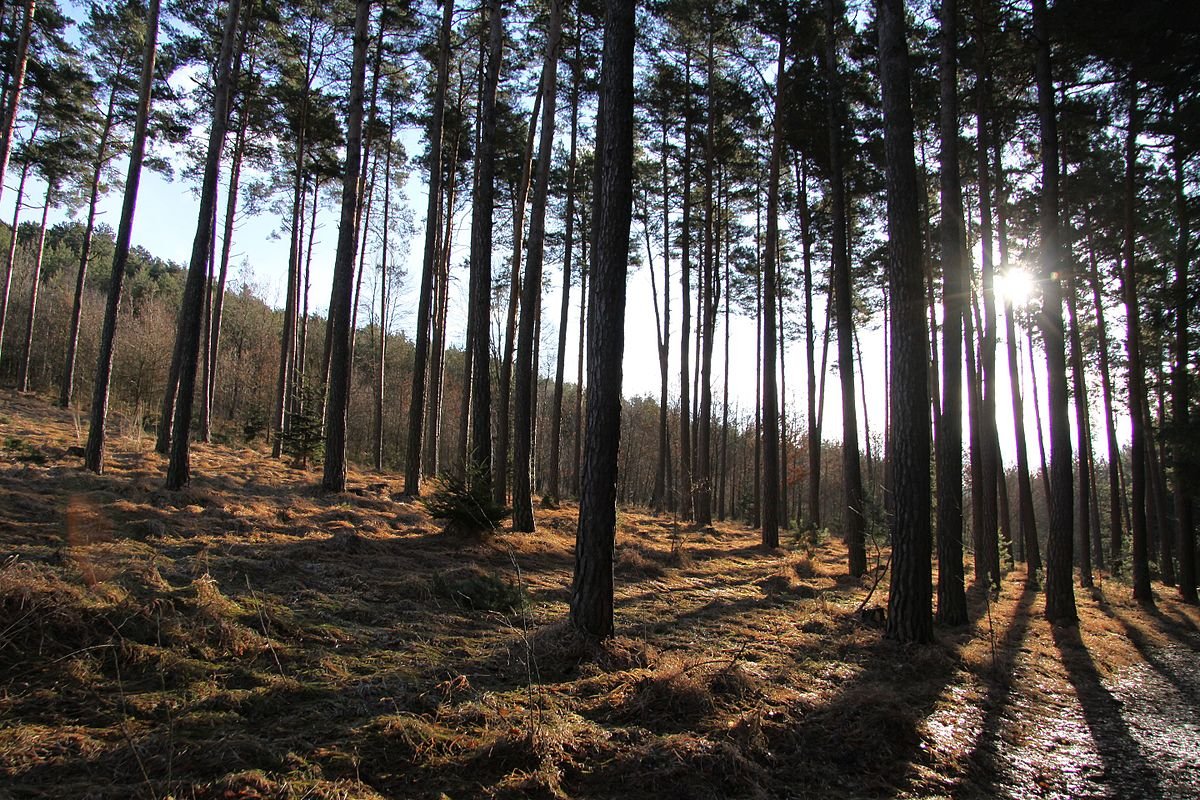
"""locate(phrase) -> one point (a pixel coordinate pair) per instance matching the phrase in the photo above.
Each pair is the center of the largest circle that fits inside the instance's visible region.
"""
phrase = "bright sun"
(1015, 285)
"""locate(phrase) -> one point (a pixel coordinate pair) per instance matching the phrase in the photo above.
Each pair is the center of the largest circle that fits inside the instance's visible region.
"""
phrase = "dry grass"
(252, 637)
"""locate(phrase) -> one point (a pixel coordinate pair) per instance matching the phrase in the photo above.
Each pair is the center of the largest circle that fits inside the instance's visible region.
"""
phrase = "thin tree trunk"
(35, 284)
(11, 256)
(287, 337)
(94, 455)
(1083, 489)
(188, 335)
(577, 462)
(770, 391)
(814, 433)
(503, 398)
(1036, 397)
(14, 95)
(421, 372)
(554, 485)
(1027, 521)
(1137, 381)
(67, 389)
(992, 468)
(479, 456)
(383, 298)
(1115, 489)
(218, 308)
(1182, 456)
(685, 409)
(526, 363)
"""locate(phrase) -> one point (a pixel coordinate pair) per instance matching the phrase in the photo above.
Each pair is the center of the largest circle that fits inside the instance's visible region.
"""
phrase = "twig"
(531, 668)
(262, 622)
(729, 666)
(878, 577)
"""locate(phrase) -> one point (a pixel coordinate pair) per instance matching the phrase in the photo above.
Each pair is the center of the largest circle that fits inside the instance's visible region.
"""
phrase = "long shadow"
(985, 772)
(1154, 655)
(1126, 767)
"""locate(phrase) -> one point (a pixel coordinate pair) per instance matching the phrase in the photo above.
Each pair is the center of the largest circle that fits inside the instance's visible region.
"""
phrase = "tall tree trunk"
(662, 331)
(685, 408)
(592, 586)
(479, 455)
(814, 433)
(383, 297)
(420, 375)
(11, 256)
(188, 335)
(842, 282)
(14, 95)
(554, 484)
(951, 597)
(1115, 491)
(577, 462)
(992, 468)
(35, 285)
(909, 600)
(287, 337)
(707, 305)
(526, 365)
(94, 455)
(504, 398)
(67, 389)
(218, 308)
(1084, 491)
(1027, 523)
(1060, 594)
(1137, 381)
(337, 393)
(770, 392)
(1182, 455)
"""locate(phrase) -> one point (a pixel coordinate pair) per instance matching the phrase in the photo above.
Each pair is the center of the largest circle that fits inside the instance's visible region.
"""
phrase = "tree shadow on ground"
(1155, 655)
(1127, 768)
(984, 771)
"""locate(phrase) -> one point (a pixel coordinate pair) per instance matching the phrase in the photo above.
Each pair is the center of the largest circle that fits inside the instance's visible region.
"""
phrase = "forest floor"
(252, 637)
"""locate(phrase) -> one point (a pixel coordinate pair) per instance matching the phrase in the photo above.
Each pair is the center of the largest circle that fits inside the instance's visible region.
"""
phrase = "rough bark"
(337, 393)
(592, 586)
(852, 489)
(951, 597)
(1060, 594)
(770, 392)
(910, 598)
